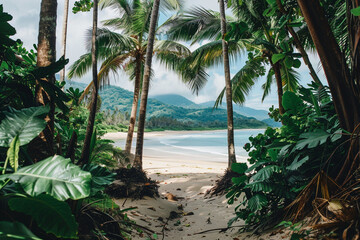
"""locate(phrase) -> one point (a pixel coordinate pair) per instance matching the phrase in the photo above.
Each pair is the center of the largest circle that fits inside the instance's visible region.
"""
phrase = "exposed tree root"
(132, 183)
(222, 184)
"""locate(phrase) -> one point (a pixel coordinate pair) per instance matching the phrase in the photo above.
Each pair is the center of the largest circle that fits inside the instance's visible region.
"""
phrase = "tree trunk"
(336, 70)
(85, 154)
(277, 72)
(42, 146)
(64, 33)
(145, 87)
(299, 46)
(134, 104)
(229, 103)
(354, 39)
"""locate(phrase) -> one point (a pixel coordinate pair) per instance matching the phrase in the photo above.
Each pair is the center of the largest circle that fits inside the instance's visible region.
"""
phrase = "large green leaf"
(260, 186)
(277, 57)
(265, 173)
(50, 214)
(292, 102)
(13, 153)
(257, 202)
(312, 139)
(101, 177)
(239, 168)
(56, 176)
(25, 123)
(15, 230)
(297, 163)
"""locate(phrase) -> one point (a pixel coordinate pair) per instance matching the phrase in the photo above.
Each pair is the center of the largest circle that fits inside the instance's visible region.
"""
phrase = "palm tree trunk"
(85, 154)
(229, 104)
(300, 47)
(134, 105)
(42, 146)
(145, 87)
(64, 33)
(280, 93)
(345, 97)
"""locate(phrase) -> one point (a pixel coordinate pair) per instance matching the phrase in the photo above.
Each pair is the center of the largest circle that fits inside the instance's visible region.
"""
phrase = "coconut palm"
(64, 35)
(127, 50)
(229, 101)
(42, 146)
(249, 30)
(85, 154)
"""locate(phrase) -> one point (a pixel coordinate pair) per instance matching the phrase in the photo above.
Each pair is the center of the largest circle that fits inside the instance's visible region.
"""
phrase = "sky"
(26, 20)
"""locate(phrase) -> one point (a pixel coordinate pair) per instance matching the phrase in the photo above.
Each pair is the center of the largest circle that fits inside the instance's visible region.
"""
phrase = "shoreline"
(123, 135)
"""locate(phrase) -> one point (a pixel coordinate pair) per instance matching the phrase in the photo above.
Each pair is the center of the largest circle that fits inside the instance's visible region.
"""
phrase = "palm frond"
(108, 39)
(171, 5)
(196, 24)
(121, 6)
(80, 66)
(267, 85)
(243, 81)
(290, 79)
(167, 46)
(211, 53)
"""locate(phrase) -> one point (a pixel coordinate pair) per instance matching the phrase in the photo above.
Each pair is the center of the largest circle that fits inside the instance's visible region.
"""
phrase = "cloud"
(26, 21)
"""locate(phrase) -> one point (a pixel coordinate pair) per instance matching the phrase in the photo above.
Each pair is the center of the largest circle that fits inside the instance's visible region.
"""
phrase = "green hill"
(114, 97)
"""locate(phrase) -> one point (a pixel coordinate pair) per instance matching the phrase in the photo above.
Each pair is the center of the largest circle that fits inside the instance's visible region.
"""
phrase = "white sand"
(187, 179)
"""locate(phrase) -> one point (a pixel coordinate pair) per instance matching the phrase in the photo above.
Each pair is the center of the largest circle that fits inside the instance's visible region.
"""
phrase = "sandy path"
(188, 180)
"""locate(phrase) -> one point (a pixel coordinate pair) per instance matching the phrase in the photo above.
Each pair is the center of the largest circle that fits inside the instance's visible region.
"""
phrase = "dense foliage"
(283, 161)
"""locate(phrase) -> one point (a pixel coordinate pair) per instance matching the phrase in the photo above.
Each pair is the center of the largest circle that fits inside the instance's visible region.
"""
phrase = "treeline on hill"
(116, 104)
(170, 123)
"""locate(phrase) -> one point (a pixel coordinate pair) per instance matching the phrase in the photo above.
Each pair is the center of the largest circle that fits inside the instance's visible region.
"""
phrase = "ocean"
(201, 145)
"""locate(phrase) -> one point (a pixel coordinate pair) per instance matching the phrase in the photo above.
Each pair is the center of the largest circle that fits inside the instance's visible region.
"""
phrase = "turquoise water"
(207, 145)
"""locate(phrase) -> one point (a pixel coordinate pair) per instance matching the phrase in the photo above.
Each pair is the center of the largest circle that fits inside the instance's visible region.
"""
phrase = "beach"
(187, 179)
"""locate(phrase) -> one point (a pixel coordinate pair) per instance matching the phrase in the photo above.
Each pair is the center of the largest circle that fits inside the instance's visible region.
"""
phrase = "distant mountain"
(176, 100)
(113, 97)
(246, 111)
(180, 101)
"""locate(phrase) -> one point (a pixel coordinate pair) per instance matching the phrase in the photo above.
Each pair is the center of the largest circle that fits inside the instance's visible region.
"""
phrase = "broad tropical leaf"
(13, 153)
(26, 123)
(239, 167)
(260, 186)
(265, 173)
(55, 176)
(15, 230)
(297, 163)
(257, 202)
(312, 139)
(101, 177)
(52, 215)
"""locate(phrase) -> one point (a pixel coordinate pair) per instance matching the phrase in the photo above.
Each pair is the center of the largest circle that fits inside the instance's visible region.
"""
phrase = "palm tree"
(64, 33)
(85, 154)
(146, 83)
(127, 50)
(229, 102)
(42, 146)
(251, 31)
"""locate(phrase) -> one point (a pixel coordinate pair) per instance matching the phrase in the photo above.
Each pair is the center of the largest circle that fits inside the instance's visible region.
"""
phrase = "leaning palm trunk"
(343, 85)
(299, 46)
(42, 146)
(134, 105)
(145, 87)
(85, 154)
(229, 104)
(64, 33)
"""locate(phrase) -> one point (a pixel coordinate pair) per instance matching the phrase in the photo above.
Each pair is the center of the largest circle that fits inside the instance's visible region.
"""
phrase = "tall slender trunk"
(336, 70)
(85, 154)
(229, 103)
(42, 146)
(277, 72)
(64, 33)
(145, 86)
(299, 46)
(134, 104)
